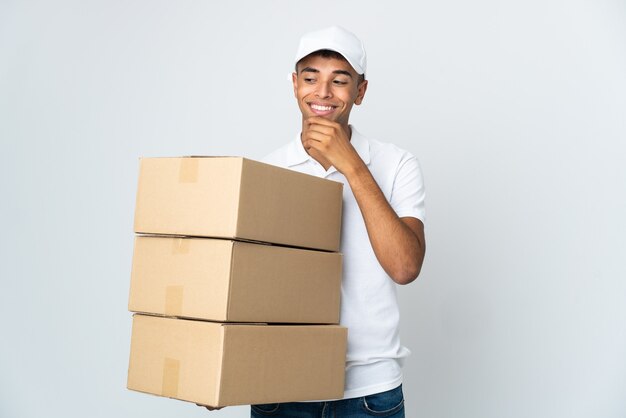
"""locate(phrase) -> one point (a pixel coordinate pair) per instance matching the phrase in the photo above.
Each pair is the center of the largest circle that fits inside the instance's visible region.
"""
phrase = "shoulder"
(386, 148)
(389, 155)
(279, 157)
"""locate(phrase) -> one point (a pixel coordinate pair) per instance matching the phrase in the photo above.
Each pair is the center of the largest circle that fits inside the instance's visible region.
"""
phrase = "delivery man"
(382, 231)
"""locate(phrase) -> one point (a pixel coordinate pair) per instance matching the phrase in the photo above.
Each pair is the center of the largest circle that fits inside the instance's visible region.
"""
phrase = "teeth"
(321, 108)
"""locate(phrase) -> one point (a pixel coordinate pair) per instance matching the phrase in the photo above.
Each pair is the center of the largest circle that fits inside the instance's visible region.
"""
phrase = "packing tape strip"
(180, 245)
(188, 171)
(174, 300)
(171, 374)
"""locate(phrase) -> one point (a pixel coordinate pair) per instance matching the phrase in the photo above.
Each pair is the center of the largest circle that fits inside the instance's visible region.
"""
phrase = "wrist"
(355, 171)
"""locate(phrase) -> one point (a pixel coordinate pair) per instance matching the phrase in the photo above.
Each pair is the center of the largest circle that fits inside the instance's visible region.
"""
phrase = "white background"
(516, 111)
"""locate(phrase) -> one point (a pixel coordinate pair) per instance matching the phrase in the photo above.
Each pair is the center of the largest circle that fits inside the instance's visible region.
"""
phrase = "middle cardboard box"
(233, 281)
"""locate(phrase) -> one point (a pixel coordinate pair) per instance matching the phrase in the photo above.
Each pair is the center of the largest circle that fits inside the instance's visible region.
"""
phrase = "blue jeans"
(388, 404)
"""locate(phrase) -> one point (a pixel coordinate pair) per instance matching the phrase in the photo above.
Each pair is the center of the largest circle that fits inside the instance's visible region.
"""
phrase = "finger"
(210, 408)
(316, 136)
(315, 145)
(321, 122)
(325, 129)
(318, 120)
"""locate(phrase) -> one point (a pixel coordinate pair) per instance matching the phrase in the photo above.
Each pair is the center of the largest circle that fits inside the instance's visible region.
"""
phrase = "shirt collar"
(297, 154)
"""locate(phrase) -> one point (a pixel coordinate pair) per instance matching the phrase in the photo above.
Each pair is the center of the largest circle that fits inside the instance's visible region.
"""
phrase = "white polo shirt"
(369, 306)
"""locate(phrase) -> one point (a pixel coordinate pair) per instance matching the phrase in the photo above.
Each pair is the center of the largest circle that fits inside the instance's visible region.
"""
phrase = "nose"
(324, 91)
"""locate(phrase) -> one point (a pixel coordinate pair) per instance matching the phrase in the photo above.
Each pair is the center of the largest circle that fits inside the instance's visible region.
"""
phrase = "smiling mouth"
(322, 109)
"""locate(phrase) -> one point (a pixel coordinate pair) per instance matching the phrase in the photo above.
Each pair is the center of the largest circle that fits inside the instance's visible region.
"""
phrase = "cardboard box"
(236, 364)
(225, 280)
(233, 197)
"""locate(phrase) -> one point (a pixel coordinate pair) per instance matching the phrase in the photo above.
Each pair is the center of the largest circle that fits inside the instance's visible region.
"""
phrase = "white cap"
(335, 39)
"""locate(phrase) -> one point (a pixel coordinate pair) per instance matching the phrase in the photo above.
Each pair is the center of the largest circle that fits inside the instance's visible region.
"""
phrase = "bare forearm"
(398, 248)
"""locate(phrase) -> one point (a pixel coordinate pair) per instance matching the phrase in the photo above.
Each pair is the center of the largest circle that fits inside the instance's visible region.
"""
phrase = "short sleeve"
(407, 193)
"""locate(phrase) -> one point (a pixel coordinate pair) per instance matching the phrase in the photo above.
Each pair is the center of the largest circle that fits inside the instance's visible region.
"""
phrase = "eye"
(309, 79)
(340, 82)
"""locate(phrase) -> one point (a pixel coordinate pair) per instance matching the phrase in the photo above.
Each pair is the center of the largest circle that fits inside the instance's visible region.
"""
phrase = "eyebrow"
(314, 70)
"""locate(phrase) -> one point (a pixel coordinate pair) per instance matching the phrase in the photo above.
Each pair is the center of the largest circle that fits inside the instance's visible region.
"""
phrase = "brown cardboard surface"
(155, 345)
(295, 208)
(233, 197)
(225, 280)
(236, 364)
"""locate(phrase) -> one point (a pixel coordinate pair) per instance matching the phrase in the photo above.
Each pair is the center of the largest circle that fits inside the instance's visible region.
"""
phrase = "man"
(382, 234)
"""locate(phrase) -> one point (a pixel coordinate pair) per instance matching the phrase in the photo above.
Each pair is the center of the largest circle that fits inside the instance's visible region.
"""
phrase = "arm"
(398, 243)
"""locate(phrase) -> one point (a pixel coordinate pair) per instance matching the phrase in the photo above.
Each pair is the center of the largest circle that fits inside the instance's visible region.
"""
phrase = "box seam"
(132, 271)
(230, 280)
(238, 210)
(220, 369)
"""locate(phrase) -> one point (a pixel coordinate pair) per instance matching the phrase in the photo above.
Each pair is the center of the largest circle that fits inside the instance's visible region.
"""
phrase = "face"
(327, 87)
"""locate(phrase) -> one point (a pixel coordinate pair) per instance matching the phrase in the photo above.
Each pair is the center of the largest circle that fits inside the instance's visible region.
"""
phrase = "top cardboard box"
(237, 198)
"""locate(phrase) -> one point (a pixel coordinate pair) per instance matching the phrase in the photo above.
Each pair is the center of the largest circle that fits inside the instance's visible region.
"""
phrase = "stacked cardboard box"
(223, 317)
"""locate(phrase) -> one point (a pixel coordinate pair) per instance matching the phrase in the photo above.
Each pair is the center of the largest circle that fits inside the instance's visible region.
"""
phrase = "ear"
(294, 80)
(361, 89)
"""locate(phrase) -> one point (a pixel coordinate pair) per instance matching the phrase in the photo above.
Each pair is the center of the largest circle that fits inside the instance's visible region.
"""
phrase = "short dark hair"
(327, 53)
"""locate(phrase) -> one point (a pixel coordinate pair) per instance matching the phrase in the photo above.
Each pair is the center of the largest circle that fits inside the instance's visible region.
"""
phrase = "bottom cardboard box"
(220, 364)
